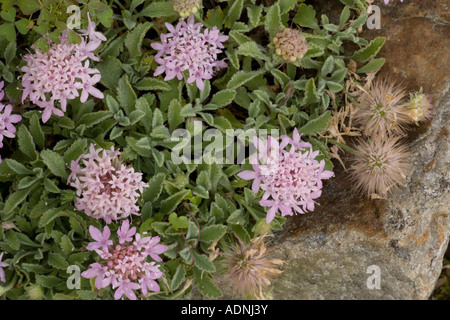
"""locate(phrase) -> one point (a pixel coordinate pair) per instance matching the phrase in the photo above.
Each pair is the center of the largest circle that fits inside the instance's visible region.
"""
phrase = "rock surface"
(328, 251)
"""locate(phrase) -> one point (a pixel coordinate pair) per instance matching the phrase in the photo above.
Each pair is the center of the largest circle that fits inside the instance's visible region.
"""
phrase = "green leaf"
(254, 14)
(311, 95)
(15, 199)
(11, 239)
(158, 10)
(10, 52)
(75, 150)
(174, 114)
(111, 71)
(214, 17)
(281, 77)
(48, 216)
(155, 185)
(133, 40)
(212, 233)
(223, 97)
(178, 277)
(372, 66)
(94, 118)
(178, 222)
(50, 186)
(57, 261)
(334, 86)
(203, 263)
(316, 125)
(170, 204)
(28, 7)
(208, 288)
(126, 95)
(286, 5)
(251, 49)
(48, 281)
(18, 167)
(234, 13)
(36, 131)
(66, 245)
(22, 26)
(306, 16)
(9, 15)
(26, 144)
(345, 15)
(328, 66)
(147, 84)
(8, 30)
(273, 20)
(242, 77)
(370, 51)
(55, 163)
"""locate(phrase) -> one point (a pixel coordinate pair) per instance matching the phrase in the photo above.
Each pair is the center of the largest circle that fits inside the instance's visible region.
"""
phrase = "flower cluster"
(186, 7)
(290, 44)
(187, 48)
(250, 270)
(106, 188)
(380, 165)
(7, 120)
(124, 264)
(58, 74)
(291, 179)
(2, 265)
(380, 110)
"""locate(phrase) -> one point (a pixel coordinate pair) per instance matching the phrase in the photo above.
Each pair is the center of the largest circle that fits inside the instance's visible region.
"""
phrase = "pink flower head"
(59, 74)
(124, 265)
(291, 179)
(186, 47)
(7, 120)
(2, 265)
(106, 188)
(387, 1)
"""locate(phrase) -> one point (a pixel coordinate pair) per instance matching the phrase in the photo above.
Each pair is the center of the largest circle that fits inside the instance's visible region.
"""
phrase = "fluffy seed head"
(380, 111)
(290, 44)
(380, 165)
(186, 7)
(106, 188)
(250, 269)
(420, 108)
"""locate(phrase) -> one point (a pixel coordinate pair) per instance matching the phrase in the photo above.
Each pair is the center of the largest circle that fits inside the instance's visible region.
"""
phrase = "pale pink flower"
(124, 265)
(106, 188)
(2, 265)
(290, 178)
(186, 48)
(59, 74)
(7, 120)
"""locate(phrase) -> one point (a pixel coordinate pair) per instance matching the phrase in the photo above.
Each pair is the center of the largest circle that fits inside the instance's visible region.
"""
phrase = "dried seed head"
(380, 165)
(250, 270)
(290, 44)
(380, 111)
(186, 7)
